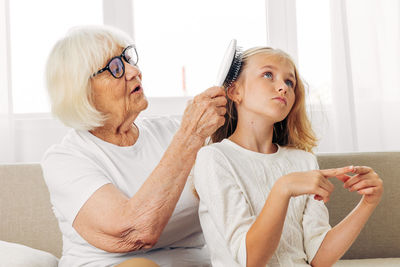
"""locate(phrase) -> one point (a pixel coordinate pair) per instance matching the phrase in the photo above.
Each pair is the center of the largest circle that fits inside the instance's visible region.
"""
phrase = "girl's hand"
(311, 182)
(366, 182)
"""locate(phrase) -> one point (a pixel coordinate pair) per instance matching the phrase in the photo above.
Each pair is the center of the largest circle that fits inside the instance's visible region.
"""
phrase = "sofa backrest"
(26, 216)
(380, 237)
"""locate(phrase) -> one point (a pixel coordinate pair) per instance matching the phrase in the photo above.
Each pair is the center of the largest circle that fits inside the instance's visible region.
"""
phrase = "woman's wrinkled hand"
(366, 182)
(204, 114)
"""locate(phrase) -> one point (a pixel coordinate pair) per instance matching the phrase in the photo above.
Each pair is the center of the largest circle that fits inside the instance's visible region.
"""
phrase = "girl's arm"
(339, 239)
(225, 210)
(263, 236)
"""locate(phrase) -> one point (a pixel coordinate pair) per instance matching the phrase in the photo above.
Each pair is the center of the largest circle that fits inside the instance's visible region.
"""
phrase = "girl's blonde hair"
(70, 65)
(295, 130)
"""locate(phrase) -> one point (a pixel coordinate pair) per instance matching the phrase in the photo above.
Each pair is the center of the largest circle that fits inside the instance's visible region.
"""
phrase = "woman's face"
(267, 87)
(120, 99)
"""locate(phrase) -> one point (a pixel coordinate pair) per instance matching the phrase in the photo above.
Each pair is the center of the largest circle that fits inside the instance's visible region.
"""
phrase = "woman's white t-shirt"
(82, 163)
(233, 184)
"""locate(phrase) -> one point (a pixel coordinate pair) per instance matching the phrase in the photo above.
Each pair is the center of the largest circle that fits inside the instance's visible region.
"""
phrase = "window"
(181, 43)
(314, 48)
(35, 26)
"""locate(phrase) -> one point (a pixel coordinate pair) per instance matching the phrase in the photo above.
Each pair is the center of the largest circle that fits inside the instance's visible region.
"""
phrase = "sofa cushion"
(17, 255)
(387, 262)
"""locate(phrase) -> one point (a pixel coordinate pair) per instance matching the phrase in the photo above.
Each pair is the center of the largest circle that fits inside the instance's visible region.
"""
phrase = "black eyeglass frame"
(107, 67)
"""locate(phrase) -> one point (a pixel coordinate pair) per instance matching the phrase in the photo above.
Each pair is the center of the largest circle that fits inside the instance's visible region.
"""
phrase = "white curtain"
(365, 75)
(6, 122)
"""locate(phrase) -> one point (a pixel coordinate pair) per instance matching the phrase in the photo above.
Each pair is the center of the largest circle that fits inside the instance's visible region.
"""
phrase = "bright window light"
(181, 43)
(314, 48)
(35, 26)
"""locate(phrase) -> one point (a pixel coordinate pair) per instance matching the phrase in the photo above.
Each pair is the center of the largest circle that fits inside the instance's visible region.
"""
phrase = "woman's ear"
(234, 93)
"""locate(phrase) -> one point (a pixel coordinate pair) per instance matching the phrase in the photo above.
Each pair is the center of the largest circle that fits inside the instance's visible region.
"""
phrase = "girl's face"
(266, 87)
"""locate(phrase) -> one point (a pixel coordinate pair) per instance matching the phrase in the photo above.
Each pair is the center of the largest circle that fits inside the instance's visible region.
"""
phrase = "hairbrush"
(230, 66)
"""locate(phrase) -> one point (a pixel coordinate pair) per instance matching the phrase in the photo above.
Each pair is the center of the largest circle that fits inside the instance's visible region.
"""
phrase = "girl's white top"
(233, 184)
(82, 163)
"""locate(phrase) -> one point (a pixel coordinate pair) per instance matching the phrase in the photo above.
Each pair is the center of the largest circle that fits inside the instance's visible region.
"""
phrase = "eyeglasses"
(116, 67)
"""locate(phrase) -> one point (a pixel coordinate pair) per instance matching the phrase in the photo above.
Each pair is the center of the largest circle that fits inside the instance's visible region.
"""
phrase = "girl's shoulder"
(223, 148)
(300, 156)
(212, 150)
(297, 152)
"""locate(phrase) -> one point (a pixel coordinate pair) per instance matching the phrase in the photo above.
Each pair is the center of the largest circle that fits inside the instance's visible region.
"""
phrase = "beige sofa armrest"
(25, 209)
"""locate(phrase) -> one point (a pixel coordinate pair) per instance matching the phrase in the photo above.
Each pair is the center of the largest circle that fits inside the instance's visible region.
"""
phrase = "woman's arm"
(339, 239)
(112, 222)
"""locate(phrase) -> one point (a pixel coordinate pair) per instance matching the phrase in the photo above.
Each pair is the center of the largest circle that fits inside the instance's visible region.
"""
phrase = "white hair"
(83, 51)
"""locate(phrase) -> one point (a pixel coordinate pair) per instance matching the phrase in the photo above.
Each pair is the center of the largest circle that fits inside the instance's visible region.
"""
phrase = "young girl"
(260, 188)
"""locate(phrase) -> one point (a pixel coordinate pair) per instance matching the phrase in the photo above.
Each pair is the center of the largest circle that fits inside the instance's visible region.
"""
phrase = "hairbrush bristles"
(230, 66)
(234, 69)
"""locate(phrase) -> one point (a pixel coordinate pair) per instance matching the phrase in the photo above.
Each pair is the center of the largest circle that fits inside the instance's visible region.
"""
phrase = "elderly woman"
(118, 184)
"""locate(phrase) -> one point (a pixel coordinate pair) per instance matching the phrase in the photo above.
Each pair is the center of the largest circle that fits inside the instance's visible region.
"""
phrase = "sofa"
(30, 235)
